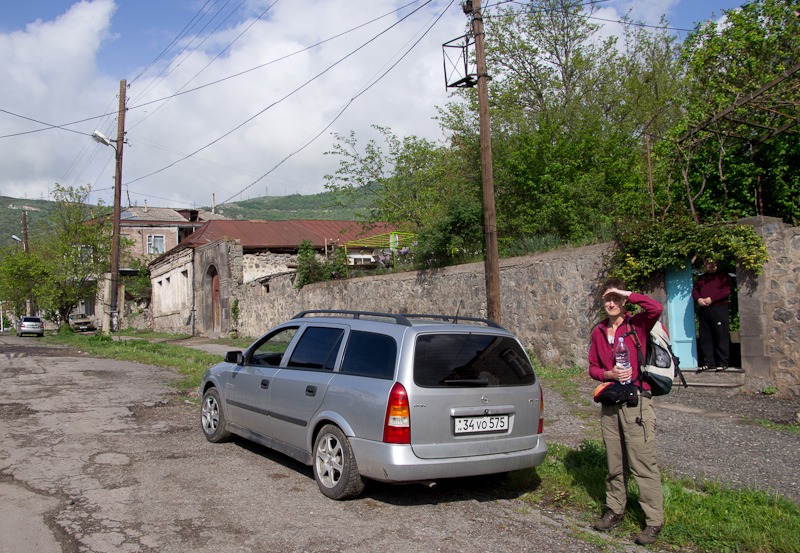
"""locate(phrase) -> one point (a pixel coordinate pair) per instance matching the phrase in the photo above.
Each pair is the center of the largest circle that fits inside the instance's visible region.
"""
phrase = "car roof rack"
(398, 318)
(455, 319)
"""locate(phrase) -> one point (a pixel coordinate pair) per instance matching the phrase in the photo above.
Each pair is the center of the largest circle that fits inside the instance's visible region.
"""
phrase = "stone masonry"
(769, 310)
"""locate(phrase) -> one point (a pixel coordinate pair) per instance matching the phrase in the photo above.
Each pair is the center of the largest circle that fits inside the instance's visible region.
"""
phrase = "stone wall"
(769, 311)
(263, 264)
(547, 299)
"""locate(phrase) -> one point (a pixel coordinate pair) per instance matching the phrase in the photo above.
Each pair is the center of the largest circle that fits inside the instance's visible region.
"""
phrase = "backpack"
(660, 365)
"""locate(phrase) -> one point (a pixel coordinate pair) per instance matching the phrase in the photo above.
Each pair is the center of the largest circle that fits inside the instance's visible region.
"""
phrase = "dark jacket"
(717, 286)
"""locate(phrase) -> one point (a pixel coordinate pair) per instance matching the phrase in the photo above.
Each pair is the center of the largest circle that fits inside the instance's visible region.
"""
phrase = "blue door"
(680, 308)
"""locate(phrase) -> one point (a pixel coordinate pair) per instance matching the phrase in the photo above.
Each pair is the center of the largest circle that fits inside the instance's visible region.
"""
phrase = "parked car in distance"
(80, 322)
(394, 398)
(30, 325)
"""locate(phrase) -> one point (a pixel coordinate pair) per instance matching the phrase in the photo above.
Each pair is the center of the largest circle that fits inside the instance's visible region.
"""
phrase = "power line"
(309, 81)
(174, 40)
(339, 114)
(161, 76)
(276, 60)
(50, 126)
(231, 43)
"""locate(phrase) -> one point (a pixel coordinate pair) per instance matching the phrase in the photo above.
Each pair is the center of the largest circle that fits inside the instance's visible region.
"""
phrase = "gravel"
(704, 434)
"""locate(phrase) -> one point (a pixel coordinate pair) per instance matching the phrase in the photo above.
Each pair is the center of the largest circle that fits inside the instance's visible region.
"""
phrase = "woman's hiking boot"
(610, 520)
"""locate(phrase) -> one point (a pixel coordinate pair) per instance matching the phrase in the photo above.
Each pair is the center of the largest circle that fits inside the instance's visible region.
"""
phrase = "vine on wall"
(644, 247)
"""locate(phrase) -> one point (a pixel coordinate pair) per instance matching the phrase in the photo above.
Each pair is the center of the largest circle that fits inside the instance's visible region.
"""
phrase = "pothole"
(112, 459)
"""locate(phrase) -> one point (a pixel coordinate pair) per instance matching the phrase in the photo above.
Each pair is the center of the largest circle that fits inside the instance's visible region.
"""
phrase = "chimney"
(145, 206)
(213, 203)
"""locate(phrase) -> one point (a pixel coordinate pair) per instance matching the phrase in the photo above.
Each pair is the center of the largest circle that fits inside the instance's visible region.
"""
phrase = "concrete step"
(733, 377)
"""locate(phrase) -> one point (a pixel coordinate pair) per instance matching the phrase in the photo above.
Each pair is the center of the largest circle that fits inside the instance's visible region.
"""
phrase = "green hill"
(269, 208)
(283, 208)
(11, 210)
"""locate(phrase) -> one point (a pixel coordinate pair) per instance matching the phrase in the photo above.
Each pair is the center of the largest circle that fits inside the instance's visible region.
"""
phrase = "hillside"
(11, 210)
(270, 208)
(283, 208)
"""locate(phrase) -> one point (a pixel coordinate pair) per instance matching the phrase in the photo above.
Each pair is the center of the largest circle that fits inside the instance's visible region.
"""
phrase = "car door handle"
(265, 384)
(311, 391)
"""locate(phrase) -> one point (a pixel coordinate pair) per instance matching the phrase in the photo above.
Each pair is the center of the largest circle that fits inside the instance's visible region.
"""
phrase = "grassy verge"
(705, 517)
(188, 362)
(235, 343)
(794, 428)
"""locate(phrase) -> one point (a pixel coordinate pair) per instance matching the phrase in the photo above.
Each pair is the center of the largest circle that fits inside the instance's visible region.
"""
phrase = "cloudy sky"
(232, 99)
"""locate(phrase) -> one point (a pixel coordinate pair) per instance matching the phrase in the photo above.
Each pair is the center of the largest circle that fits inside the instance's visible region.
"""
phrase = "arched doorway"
(216, 319)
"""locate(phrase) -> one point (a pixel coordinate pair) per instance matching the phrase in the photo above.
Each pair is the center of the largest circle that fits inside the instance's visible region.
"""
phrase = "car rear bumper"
(397, 463)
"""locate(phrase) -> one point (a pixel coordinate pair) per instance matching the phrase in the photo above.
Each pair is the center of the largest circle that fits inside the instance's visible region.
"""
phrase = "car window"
(370, 354)
(270, 351)
(317, 348)
(442, 360)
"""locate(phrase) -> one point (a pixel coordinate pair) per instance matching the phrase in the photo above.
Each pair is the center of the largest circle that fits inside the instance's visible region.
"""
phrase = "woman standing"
(628, 432)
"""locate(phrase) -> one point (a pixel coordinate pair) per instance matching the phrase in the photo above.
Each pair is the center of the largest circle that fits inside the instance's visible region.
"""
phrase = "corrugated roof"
(284, 234)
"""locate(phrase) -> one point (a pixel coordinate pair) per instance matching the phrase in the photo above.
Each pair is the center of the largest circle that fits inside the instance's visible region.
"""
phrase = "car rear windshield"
(448, 360)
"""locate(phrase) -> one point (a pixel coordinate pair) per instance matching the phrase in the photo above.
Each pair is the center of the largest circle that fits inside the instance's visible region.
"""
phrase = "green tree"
(736, 165)
(569, 115)
(20, 274)
(73, 253)
(404, 184)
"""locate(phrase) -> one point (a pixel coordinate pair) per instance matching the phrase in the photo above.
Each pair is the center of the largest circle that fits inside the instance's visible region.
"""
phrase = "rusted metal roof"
(284, 235)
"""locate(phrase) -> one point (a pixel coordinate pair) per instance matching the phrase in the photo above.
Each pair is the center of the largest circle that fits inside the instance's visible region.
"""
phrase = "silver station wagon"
(395, 398)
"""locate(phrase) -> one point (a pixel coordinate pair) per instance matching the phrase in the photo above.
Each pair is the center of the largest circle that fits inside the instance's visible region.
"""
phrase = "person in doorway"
(628, 431)
(711, 292)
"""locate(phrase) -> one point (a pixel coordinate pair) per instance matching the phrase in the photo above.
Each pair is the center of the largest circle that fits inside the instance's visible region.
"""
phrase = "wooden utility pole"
(113, 306)
(29, 301)
(489, 215)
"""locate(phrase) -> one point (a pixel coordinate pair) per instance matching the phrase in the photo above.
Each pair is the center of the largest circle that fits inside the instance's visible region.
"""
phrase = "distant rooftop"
(167, 214)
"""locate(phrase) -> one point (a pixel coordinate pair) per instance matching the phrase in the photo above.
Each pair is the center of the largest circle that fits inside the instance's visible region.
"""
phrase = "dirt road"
(100, 456)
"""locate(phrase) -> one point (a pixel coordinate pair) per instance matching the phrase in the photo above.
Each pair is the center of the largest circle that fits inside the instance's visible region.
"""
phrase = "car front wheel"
(212, 419)
(335, 468)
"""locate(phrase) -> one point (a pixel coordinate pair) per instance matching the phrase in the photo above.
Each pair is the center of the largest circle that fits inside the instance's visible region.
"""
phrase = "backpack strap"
(640, 357)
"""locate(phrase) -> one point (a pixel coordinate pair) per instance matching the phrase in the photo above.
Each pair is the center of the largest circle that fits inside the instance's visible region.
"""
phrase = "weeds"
(705, 517)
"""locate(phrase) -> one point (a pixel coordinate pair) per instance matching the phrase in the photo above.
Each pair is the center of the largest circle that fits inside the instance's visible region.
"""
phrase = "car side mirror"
(234, 357)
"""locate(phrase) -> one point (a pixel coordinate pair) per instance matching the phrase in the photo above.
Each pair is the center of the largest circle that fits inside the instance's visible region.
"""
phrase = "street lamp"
(98, 137)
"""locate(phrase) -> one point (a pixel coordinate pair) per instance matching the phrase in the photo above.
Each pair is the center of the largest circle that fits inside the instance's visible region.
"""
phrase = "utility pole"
(112, 303)
(489, 214)
(29, 301)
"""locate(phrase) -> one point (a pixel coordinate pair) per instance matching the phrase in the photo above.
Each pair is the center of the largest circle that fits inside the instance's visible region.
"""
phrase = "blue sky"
(61, 61)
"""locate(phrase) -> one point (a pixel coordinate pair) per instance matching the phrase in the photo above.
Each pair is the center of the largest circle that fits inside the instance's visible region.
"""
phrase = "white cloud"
(57, 81)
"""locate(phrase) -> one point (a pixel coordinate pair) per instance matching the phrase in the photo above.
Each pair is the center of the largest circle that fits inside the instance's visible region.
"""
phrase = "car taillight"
(397, 427)
(541, 411)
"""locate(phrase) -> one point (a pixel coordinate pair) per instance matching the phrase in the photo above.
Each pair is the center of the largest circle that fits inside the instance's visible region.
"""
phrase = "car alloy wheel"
(335, 466)
(212, 419)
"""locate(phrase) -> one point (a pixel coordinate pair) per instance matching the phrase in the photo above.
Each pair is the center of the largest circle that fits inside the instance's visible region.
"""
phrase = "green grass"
(188, 362)
(705, 517)
(794, 428)
(563, 380)
(150, 335)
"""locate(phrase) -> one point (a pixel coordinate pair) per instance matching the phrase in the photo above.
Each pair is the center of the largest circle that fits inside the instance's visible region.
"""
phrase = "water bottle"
(622, 356)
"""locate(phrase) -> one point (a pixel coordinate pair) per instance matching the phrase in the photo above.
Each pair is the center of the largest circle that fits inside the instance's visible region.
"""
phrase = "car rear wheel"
(212, 419)
(335, 467)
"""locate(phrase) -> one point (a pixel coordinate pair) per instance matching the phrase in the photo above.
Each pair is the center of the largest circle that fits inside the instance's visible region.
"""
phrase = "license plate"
(491, 423)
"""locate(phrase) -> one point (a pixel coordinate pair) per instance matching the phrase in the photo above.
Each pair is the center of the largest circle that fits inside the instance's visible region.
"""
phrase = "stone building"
(155, 230)
(194, 284)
